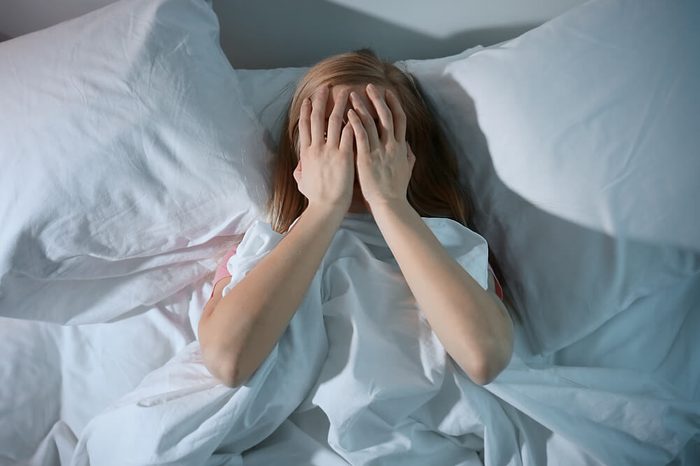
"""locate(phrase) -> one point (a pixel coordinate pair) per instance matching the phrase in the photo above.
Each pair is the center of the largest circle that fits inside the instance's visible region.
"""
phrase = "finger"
(376, 95)
(318, 114)
(304, 123)
(346, 138)
(361, 138)
(367, 121)
(335, 120)
(398, 114)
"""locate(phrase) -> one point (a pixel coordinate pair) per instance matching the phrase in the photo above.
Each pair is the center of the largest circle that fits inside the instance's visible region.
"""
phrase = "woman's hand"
(384, 158)
(326, 169)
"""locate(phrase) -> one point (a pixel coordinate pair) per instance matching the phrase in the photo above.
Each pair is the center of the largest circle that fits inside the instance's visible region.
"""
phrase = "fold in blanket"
(360, 349)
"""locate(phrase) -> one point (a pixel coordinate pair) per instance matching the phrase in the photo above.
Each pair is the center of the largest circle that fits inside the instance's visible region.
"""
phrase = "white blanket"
(359, 349)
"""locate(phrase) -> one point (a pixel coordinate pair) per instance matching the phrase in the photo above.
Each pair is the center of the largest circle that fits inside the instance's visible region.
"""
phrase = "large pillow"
(267, 92)
(579, 140)
(128, 165)
(576, 139)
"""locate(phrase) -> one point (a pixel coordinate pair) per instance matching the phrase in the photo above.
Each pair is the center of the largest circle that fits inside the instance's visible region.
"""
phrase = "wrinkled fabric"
(360, 349)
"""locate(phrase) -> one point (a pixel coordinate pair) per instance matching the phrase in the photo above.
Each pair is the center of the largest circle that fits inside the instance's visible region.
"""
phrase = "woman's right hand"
(326, 169)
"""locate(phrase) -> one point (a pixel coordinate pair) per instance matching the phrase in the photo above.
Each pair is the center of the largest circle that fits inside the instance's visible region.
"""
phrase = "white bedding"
(607, 365)
(361, 351)
(56, 378)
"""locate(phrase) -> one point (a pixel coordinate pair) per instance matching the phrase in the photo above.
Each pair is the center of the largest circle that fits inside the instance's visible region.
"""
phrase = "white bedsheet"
(56, 378)
(359, 352)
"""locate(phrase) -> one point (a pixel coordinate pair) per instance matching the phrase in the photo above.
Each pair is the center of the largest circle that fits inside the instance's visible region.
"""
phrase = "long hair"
(434, 189)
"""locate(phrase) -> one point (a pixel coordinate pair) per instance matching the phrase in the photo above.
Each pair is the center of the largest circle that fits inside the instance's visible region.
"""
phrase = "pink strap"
(222, 270)
(499, 289)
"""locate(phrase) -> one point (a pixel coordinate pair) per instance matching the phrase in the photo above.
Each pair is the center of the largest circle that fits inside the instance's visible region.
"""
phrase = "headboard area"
(278, 33)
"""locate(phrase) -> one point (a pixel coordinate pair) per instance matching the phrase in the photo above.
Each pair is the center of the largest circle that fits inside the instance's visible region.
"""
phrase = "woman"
(358, 138)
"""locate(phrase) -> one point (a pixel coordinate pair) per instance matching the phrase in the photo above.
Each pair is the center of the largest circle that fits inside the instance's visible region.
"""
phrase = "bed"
(134, 156)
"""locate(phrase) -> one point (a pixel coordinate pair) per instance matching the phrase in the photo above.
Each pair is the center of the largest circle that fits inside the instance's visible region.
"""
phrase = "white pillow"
(268, 92)
(579, 139)
(539, 123)
(128, 163)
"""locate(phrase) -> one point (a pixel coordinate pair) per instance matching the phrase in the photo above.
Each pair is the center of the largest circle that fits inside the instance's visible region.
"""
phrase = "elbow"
(220, 364)
(228, 375)
(486, 368)
(484, 373)
(493, 358)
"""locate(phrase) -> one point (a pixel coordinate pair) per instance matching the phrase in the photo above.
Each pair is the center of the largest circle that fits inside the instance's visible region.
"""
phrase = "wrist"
(389, 205)
(326, 212)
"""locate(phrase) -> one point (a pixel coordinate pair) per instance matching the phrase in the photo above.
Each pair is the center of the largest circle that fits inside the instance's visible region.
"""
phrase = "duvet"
(360, 350)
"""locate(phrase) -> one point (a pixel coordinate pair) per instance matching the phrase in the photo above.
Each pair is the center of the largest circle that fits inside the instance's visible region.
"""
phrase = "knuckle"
(316, 102)
(340, 101)
(360, 110)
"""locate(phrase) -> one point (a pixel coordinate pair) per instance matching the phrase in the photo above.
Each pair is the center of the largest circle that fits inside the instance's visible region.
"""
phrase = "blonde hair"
(434, 189)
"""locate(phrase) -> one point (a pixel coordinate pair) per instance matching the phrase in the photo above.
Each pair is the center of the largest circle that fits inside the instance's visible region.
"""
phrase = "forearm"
(470, 324)
(249, 320)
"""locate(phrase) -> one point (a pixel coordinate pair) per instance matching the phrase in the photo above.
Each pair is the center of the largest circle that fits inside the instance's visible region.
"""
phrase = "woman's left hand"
(384, 158)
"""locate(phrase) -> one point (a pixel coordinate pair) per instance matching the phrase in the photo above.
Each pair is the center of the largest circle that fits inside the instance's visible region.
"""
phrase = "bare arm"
(471, 323)
(239, 331)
